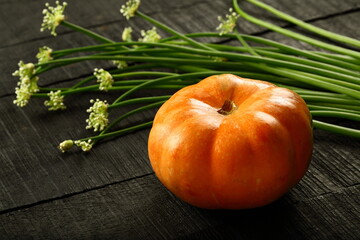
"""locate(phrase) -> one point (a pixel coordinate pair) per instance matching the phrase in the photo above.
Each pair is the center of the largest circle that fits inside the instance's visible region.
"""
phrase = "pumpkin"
(231, 143)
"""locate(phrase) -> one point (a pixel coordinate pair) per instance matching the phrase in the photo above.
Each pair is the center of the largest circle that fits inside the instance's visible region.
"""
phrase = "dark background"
(112, 192)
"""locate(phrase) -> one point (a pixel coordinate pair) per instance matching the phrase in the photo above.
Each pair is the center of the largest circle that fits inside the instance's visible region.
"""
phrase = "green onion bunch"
(329, 80)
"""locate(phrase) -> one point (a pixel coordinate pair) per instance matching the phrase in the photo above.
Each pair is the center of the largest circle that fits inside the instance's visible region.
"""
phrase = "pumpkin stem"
(227, 108)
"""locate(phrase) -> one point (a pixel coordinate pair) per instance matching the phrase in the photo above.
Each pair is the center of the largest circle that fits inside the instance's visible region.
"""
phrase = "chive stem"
(86, 32)
(304, 25)
(337, 129)
(295, 35)
(119, 132)
(173, 32)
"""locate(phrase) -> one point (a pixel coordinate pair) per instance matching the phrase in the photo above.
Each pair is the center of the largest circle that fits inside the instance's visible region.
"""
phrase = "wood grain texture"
(33, 169)
(111, 192)
(142, 209)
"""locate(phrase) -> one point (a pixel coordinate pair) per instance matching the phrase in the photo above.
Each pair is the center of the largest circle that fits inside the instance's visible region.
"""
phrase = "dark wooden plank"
(143, 209)
(33, 169)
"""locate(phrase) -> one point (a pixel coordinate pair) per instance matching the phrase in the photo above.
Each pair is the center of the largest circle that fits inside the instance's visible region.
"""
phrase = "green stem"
(233, 56)
(245, 44)
(334, 59)
(331, 84)
(132, 112)
(310, 79)
(313, 107)
(136, 51)
(133, 82)
(115, 71)
(158, 60)
(86, 32)
(327, 58)
(313, 63)
(173, 32)
(339, 57)
(320, 93)
(95, 88)
(163, 79)
(295, 35)
(288, 62)
(119, 132)
(43, 68)
(325, 62)
(326, 99)
(304, 25)
(337, 129)
(337, 60)
(339, 106)
(101, 47)
(345, 115)
(142, 74)
(349, 83)
(139, 100)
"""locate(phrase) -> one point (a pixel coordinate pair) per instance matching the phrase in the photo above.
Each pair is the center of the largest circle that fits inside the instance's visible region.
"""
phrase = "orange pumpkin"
(231, 143)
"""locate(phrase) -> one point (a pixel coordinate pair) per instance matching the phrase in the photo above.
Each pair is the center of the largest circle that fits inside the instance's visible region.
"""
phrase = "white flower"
(228, 24)
(120, 64)
(26, 87)
(26, 70)
(85, 145)
(104, 78)
(150, 36)
(27, 84)
(53, 16)
(98, 117)
(56, 101)
(129, 9)
(126, 34)
(22, 96)
(44, 54)
(66, 145)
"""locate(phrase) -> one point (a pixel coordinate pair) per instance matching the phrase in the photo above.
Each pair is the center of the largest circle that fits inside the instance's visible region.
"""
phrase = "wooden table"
(112, 192)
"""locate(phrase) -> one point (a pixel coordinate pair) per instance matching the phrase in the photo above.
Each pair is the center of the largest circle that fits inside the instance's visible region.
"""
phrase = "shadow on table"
(275, 221)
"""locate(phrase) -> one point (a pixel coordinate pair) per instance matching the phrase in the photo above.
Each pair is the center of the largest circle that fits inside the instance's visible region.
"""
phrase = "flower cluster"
(104, 78)
(56, 101)
(25, 71)
(130, 8)
(120, 64)
(85, 145)
(27, 84)
(150, 36)
(126, 34)
(44, 54)
(228, 24)
(98, 117)
(66, 145)
(53, 16)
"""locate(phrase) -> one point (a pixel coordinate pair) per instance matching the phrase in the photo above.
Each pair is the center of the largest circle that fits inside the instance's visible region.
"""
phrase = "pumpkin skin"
(245, 158)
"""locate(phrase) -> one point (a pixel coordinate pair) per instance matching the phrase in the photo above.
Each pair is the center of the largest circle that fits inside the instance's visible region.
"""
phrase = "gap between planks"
(5, 211)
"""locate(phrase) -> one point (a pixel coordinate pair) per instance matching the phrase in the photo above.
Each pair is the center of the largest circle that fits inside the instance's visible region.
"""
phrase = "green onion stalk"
(329, 82)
